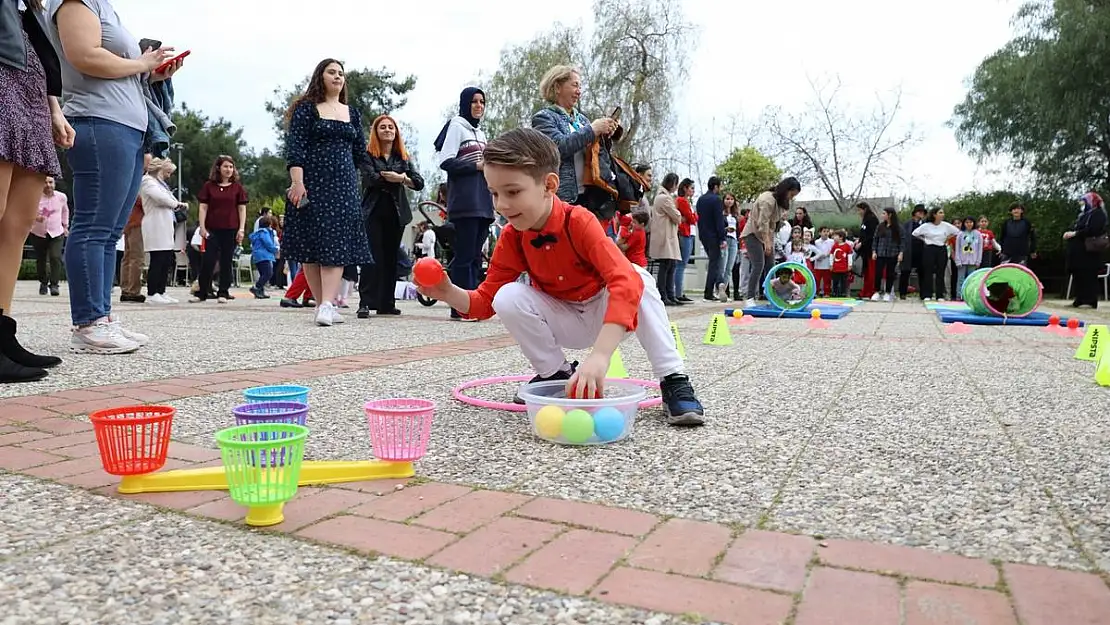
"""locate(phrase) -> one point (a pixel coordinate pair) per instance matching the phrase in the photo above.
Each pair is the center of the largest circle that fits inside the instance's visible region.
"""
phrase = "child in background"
(822, 263)
(841, 264)
(990, 245)
(264, 250)
(784, 286)
(633, 241)
(968, 254)
(886, 254)
(583, 292)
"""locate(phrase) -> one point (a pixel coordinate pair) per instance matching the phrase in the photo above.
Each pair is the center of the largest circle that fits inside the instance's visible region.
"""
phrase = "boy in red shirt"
(633, 241)
(841, 264)
(583, 293)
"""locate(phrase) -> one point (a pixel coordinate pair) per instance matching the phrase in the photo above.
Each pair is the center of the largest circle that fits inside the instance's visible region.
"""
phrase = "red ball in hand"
(428, 272)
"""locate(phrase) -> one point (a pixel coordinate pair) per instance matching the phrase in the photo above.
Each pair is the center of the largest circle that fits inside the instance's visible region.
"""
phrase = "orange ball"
(428, 272)
(1073, 324)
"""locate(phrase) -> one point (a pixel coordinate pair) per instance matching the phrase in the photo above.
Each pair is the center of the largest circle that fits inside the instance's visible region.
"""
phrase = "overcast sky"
(749, 55)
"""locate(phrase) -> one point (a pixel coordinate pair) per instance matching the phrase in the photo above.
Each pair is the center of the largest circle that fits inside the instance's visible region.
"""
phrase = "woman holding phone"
(102, 73)
(323, 218)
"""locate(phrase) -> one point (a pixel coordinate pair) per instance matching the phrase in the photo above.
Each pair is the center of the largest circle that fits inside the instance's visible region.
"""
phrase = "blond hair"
(158, 165)
(553, 79)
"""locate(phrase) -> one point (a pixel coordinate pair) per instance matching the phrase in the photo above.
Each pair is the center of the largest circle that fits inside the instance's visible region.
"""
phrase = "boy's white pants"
(544, 325)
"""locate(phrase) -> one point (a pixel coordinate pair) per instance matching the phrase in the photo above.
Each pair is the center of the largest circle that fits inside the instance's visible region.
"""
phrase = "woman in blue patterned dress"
(323, 217)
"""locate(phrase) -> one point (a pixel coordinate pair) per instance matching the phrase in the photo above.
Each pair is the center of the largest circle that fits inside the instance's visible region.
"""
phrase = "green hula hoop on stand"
(809, 289)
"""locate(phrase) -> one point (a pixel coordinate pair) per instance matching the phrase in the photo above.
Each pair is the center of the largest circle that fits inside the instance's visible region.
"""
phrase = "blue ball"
(608, 424)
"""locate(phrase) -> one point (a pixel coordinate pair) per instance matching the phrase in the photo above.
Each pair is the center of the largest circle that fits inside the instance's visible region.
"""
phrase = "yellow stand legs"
(265, 516)
(312, 473)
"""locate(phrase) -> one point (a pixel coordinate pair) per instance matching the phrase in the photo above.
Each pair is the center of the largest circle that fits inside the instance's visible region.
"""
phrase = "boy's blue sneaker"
(679, 402)
(561, 374)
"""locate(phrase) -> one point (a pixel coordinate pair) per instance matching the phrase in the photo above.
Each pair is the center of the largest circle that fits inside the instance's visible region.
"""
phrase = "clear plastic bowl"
(556, 418)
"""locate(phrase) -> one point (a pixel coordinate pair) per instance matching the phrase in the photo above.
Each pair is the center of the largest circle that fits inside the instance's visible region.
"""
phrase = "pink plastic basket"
(399, 428)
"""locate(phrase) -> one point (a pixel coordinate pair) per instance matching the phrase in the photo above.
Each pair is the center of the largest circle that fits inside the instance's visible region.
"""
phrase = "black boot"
(13, 351)
(15, 372)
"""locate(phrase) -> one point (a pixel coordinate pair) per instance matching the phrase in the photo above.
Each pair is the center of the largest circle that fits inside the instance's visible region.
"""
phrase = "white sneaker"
(335, 316)
(221, 300)
(134, 337)
(876, 297)
(325, 314)
(100, 338)
(170, 300)
(889, 297)
(157, 298)
(750, 302)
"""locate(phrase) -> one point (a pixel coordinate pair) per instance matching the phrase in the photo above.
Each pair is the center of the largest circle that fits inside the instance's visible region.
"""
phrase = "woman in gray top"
(102, 67)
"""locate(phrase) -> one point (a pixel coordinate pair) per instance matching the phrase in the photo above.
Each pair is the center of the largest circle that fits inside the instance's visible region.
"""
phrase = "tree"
(841, 151)
(204, 140)
(635, 60)
(372, 92)
(1041, 99)
(513, 90)
(747, 172)
(265, 175)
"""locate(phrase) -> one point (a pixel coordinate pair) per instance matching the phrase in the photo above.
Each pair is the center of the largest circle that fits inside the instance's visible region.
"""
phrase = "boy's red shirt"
(637, 246)
(840, 255)
(557, 270)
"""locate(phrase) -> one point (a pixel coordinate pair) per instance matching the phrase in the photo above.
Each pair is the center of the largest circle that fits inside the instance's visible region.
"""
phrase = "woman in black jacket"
(30, 73)
(386, 176)
(1086, 247)
(869, 223)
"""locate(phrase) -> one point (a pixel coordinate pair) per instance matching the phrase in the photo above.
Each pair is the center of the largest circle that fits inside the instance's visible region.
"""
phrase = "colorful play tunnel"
(1008, 290)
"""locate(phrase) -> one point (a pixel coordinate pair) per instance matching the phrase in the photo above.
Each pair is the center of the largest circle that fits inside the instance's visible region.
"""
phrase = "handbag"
(1097, 244)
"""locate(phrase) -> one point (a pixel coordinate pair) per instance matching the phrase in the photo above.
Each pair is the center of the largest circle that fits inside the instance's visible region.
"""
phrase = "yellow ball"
(737, 313)
(549, 421)
(815, 313)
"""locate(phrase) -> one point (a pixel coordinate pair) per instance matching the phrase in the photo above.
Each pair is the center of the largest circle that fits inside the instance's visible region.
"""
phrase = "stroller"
(445, 239)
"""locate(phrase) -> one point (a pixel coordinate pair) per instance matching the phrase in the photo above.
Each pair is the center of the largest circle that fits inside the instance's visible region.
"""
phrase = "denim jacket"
(159, 105)
(555, 123)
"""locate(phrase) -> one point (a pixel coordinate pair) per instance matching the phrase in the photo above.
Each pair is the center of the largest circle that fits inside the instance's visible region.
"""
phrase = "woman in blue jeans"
(102, 70)
(459, 149)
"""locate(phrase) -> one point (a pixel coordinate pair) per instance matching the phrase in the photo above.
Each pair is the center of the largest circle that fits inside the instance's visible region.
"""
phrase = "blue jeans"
(107, 163)
(728, 259)
(265, 272)
(686, 248)
(466, 266)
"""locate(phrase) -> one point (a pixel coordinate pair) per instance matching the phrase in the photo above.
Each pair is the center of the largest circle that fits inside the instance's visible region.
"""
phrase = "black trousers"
(904, 275)
(218, 248)
(840, 284)
(713, 272)
(934, 259)
(885, 265)
(378, 283)
(278, 279)
(1085, 281)
(48, 250)
(665, 278)
(158, 273)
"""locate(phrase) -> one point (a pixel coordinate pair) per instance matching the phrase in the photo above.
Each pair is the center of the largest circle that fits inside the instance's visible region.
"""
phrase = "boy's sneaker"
(679, 401)
(561, 374)
(135, 337)
(100, 338)
(290, 303)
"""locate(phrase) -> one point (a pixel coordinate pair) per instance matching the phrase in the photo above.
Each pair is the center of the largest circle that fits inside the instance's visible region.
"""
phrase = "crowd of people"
(76, 78)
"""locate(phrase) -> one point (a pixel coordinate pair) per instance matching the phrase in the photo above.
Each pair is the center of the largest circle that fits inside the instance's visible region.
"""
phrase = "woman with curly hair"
(324, 230)
(223, 220)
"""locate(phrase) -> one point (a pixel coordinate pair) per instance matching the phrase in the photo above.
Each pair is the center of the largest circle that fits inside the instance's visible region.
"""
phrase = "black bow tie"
(539, 241)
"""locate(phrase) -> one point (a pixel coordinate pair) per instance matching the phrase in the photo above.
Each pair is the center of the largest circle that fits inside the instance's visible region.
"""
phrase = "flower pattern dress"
(328, 230)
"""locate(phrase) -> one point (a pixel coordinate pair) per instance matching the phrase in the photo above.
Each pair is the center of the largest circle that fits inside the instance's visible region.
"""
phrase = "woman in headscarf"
(1086, 246)
(459, 149)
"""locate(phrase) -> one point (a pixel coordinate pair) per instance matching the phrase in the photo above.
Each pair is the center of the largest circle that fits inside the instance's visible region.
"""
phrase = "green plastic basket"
(262, 461)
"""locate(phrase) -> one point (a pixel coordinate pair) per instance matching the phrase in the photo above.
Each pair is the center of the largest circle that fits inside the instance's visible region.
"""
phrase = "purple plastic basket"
(293, 412)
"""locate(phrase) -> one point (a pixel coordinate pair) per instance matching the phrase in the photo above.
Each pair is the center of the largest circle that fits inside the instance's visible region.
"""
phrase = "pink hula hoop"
(458, 393)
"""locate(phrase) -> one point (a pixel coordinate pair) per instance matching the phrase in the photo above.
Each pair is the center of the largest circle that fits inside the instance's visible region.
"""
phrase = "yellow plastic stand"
(265, 516)
(717, 333)
(678, 341)
(1092, 346)
(312, 473)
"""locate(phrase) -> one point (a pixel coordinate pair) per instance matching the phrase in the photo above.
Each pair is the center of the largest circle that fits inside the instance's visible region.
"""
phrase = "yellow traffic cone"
(1102, 370)
(1091, 346)
(616, 366)
(717, 333)
(678, 341)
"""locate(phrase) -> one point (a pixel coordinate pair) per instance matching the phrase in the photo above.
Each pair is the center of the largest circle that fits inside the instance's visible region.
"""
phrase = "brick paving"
(701, 569)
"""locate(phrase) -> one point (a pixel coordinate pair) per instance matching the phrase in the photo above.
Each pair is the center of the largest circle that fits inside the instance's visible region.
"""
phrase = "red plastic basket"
(399, 428)
(133, 440)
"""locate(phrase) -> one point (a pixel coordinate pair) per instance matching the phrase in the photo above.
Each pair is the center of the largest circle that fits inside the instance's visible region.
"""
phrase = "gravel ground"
(159, 568)
(869, 457)
(177, 331)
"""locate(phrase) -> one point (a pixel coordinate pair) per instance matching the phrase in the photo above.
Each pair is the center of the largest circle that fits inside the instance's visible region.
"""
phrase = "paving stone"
(495, 547)
(1045, 596)
(921, 563)
(835, 597)
(573, 562)
(940, 604)
(471, 511)
(767, 560)
(411, 501)
(682, 546)
(605, 518)
(374, 536)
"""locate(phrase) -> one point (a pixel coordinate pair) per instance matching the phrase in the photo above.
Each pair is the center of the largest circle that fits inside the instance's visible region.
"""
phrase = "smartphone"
(161, 68)
(616, 114)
